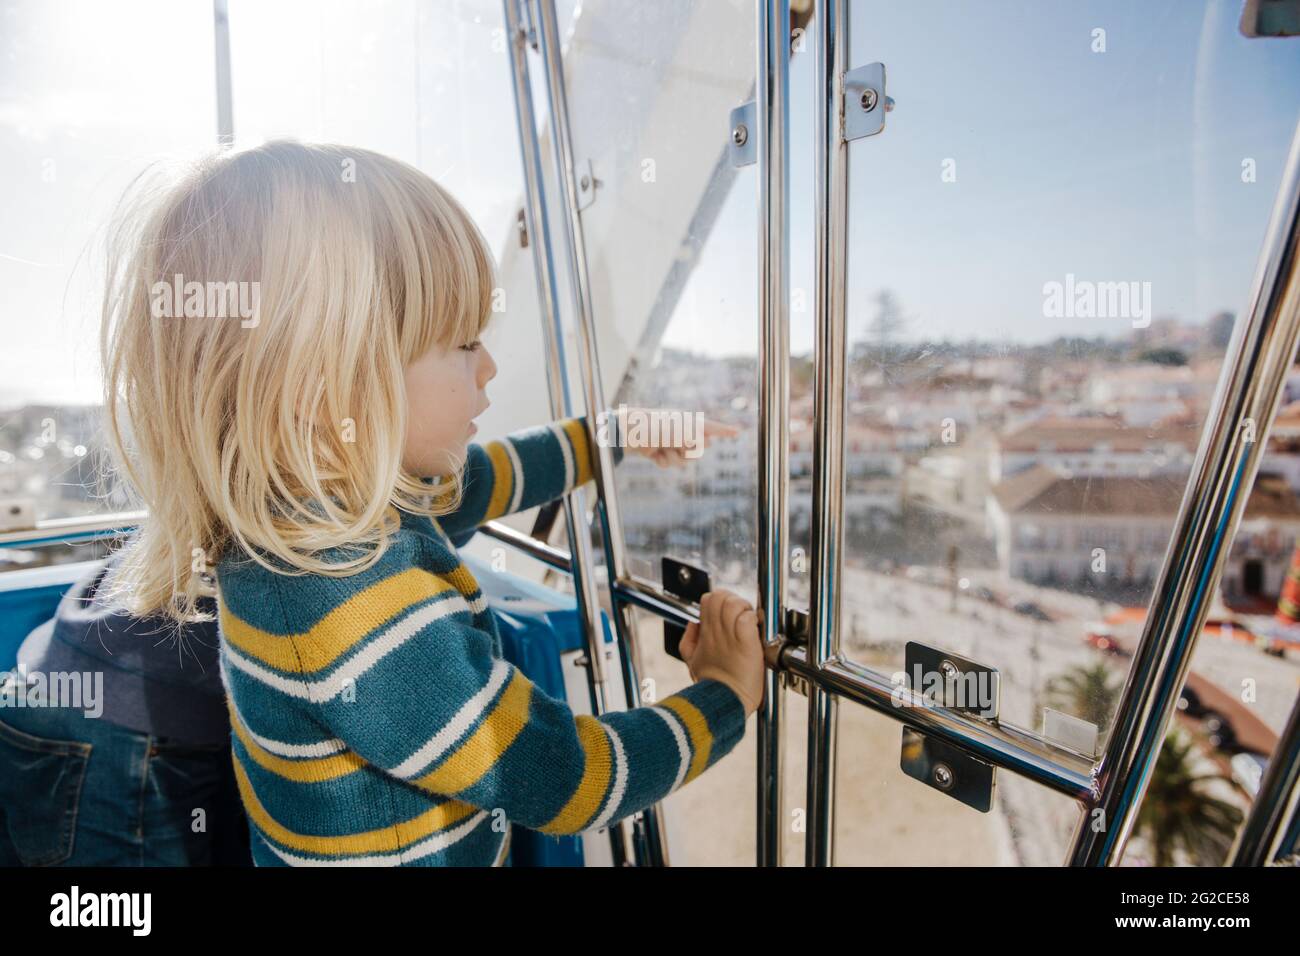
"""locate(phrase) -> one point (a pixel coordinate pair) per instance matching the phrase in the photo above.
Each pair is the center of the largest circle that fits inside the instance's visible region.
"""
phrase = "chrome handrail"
(1270, 827)
(772, 79)
(651, 846)
(538, 225)
(831, 200)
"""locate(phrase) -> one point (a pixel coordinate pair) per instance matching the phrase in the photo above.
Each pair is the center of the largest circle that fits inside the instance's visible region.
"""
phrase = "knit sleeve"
(428, 703)
(526, 469)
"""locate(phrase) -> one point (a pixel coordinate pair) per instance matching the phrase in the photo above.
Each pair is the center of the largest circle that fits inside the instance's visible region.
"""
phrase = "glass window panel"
(670, 244)
(1048, 247)
(82, 112)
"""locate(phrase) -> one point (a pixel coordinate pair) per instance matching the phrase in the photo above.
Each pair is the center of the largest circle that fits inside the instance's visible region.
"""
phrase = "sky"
(1116, 165)
(1122, 165)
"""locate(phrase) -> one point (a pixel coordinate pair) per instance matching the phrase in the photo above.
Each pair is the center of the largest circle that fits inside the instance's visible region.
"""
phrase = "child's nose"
(487, 369)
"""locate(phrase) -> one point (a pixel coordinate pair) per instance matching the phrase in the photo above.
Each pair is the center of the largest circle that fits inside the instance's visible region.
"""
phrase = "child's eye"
(473, 346)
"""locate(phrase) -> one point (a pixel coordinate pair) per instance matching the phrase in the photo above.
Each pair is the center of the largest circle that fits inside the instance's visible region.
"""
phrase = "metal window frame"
(772, 82)
(582, 567)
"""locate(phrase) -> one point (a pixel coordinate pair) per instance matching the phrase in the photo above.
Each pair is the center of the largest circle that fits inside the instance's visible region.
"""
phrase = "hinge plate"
(948, 770)
(742, 137)
(865, 102)
(952, 681)
(689, 583)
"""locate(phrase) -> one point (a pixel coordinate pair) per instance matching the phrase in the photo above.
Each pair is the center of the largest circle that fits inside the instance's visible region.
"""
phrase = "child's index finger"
(715, 429)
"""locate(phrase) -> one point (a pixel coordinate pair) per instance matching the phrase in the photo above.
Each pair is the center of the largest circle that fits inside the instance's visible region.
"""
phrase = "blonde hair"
(283, 433)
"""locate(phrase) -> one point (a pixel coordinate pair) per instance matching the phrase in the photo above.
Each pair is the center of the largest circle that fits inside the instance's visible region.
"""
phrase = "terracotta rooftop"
(1085, 434)
(1043, 490)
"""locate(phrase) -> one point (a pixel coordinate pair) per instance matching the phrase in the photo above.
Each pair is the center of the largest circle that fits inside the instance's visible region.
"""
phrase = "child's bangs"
(447, 272)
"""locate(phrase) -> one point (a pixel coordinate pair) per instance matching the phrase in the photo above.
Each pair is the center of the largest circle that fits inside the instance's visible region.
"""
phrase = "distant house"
(1063, 529)
(1096, 445)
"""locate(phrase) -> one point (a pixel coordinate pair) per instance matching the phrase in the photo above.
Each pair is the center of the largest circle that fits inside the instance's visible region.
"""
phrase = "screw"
(585, 182)
(869, 98)
(943, 777)
(949, 670)
(740, 135)
(684, 575)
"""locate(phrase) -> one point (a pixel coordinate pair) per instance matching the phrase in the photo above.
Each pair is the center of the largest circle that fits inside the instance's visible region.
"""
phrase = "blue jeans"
(78, 791)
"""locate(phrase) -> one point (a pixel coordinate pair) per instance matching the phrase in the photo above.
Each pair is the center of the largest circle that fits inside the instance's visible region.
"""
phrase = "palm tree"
(1087, 692)
(1177, 813)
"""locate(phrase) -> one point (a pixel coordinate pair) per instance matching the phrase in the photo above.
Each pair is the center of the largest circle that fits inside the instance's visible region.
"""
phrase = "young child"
(315, 449)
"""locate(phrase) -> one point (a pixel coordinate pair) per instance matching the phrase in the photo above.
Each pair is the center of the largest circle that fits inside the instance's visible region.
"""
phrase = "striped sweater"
(374, 721)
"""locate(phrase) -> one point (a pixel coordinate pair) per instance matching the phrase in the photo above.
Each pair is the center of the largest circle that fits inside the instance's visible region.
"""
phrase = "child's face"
(444, 392)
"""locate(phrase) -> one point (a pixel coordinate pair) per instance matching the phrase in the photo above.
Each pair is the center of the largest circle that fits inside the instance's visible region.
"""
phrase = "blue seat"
(538, 625)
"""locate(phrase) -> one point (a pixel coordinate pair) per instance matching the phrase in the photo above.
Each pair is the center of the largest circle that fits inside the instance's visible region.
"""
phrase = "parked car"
(1230, 725)
(1101, 637)
(1030, 609)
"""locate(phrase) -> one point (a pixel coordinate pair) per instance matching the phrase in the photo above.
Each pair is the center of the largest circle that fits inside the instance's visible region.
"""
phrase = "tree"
(1163, 356)
(1178, 814)
(1087, 692)
(887, 322)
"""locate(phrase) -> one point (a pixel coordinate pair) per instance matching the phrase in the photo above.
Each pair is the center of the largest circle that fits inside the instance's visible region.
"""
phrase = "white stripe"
(457, 727)
(620, 779)
(323, 691)
(434, 844)
(570, 476)
(518, 493)
(322, 749)
(505, 848)
(683, 744)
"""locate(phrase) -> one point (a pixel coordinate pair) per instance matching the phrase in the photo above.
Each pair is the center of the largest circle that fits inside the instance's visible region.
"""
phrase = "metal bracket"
(948, 770)
(587, 183)
(742, 136)
(792, 681)
(521, 227)
(689, 583)
(865, 102)
(952, 681)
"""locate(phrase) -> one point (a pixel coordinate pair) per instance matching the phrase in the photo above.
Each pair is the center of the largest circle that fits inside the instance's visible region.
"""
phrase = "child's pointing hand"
(668, 437)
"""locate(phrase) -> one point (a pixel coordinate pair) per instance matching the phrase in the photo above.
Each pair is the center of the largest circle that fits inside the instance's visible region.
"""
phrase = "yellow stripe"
(697, 726)
(484, 747)
(338, 631)
(387, 839)
(502, 480)
(463, 580)
(577, 432)
(308, 770)
(586, 800)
